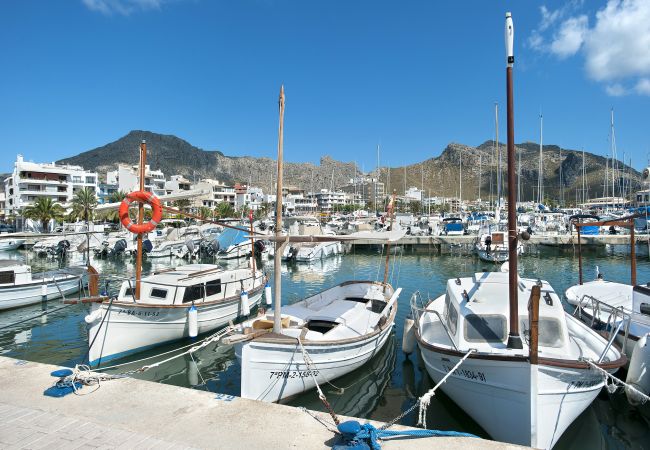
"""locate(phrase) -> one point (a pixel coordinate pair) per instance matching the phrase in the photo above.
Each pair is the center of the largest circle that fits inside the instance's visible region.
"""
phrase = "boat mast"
(514, 340)
(496, 125)
(279, 246)
(540, 175)
(138, 258)
(614, 156)
(480, 166)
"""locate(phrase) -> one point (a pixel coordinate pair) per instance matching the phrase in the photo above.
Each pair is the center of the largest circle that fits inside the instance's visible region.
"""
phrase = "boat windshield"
(485, 328)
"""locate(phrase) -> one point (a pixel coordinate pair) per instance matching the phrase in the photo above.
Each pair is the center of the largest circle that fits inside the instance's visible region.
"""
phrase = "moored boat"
(125, 325)
(20, 287)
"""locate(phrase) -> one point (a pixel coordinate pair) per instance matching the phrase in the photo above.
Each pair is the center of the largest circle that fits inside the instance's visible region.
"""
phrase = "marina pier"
(118, 414)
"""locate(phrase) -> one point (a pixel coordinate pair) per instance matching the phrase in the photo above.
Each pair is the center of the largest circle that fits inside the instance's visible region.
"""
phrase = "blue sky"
(411, 75)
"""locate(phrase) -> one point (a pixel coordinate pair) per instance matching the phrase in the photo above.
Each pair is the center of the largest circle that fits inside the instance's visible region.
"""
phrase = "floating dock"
(130, 413)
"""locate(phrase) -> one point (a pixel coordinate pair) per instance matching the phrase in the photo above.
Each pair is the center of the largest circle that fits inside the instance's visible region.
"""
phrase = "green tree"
(83, 204)
(415, 206)
(182, 204)
(43, 210)
(205, 212)
(116, 197)
(225, 209)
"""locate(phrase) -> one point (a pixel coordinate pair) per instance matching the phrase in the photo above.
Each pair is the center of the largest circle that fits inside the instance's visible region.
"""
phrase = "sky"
(410, 76)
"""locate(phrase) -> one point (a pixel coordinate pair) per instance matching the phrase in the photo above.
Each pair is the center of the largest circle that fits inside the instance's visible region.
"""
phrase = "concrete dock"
(130, 413)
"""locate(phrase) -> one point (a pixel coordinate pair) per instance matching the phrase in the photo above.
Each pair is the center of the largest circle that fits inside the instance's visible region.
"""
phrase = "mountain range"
(438, 175)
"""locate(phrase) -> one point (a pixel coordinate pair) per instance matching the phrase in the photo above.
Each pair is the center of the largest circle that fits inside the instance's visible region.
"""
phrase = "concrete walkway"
(130, 413)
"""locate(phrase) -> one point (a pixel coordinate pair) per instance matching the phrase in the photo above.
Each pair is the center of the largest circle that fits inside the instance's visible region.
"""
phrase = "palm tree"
(225, 209)
(116, 197)
(43, 210)
(83, 204)
(205, 212)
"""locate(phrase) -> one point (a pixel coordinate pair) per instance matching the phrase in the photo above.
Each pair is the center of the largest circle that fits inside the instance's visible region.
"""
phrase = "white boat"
(312, 251)
(125, 325)
(508, 353)
(234, 243)
(513, 400)
(610, 306)
(497, 250)
(340, 329)
(11, 244)
(20, 287)
(316, 339)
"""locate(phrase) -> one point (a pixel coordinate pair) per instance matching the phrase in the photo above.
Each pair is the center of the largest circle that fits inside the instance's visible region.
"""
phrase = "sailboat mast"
(614, 156)
(496, 125)
(480, 166)
(540, 175)
(514, 340)
(138, 258)
(277, 271)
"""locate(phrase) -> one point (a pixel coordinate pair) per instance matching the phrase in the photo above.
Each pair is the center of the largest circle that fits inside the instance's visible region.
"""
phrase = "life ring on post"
(142, 197)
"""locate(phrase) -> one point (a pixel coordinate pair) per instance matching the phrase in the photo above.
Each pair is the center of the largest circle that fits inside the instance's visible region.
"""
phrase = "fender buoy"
(143, 197)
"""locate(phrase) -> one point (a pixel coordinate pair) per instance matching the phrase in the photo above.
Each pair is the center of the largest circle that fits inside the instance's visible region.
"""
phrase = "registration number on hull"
(469, 374)
(293, 374)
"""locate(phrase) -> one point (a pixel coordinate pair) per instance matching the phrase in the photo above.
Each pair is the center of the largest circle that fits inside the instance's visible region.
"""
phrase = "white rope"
(637, 394)
(425, 400)
(85, 375)
(312, 369)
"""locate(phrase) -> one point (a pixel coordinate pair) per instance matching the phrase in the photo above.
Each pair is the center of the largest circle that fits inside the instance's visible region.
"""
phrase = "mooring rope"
(617, 382)
(312, 370)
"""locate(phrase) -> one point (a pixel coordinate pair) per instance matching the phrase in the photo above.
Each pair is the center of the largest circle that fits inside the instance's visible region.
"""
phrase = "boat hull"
(129, 328)
(535, 403)
(23, 295)
(272, 372)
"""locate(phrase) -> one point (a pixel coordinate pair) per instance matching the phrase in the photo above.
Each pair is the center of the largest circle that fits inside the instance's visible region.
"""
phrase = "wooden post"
(93, 281)
(279, 247)
(533, 320)
(632, 254)
(579, 254)
(250, 218)
(390, 218)
(138, 260)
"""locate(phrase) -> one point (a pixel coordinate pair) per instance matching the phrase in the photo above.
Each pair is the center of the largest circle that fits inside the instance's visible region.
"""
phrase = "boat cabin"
(476, 314)
(14, 272)
(188, 285)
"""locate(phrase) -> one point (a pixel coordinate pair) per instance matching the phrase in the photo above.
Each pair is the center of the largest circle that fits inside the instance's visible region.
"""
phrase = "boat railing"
(617, 319)
(418, 310)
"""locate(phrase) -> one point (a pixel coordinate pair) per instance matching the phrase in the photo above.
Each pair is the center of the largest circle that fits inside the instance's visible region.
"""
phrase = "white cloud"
(616, 48)
(619, 44)
(615, 90)
(569, 38)
(643, 86)
(123, 7)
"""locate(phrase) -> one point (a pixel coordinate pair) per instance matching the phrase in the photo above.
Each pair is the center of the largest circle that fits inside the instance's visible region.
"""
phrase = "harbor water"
(390, 382)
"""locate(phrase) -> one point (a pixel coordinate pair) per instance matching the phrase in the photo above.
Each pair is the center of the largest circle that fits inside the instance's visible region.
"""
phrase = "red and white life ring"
(142, 197)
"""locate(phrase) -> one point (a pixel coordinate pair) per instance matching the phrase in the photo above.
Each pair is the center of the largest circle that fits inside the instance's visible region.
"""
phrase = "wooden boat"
(123, 325)
(20, 287)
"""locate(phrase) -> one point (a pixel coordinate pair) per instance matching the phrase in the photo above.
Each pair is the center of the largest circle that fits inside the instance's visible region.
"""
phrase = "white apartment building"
(299, 204)
(219, 193)
(413, 193)
(30, 180)
(249, 197)
(127, 179)
(326, 199)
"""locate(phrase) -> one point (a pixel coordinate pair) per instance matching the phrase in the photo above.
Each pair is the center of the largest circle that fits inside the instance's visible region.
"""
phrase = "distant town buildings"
(30, 180)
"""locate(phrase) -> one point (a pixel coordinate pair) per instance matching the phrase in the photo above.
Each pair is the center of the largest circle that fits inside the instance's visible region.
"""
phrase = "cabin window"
(212, 287)
(7, 276)
(129, 292)
(485, 328)
(452, 319)
(158, 293)
(193, 293)
(550, 333)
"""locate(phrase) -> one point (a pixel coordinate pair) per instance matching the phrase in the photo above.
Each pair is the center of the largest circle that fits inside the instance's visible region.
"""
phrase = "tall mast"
(584, 200)
(561, 182)
(376, 183)
(614, 156)
(496, 125)
(519, 176)
(540, 175)
(514, 340)
(138, 258)
(480, 166)
(460, 179)
(279, 246)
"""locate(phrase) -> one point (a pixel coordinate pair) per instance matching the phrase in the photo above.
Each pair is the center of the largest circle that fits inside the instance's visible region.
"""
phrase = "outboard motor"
(61, 248)
(259, 247)
(147, 246)
(103, 250)
(189, 245)
(119, 247)
(209, 248)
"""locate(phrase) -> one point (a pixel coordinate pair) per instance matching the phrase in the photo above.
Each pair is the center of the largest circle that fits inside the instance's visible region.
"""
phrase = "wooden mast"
(138, 260)
(279, 246)
(514, 340)
(390, 218)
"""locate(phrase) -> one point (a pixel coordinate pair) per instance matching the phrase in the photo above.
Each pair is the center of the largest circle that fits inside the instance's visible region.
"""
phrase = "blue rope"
(365, 437)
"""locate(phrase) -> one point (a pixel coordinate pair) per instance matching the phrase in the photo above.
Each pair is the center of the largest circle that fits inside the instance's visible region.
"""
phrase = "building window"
(90, 180)
(76, 179)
